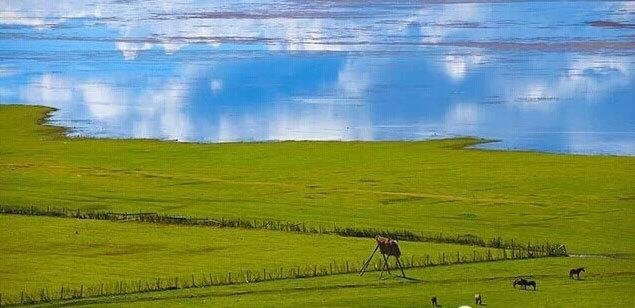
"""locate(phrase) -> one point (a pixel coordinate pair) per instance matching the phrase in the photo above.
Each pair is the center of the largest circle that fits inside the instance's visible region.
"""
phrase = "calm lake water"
(548, 76)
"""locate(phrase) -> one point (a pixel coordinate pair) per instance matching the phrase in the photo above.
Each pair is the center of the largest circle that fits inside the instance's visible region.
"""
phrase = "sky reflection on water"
(549, 76)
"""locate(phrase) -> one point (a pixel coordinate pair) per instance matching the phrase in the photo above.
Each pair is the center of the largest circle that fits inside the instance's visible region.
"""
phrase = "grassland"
(40, 252)
(430, 187)
(453, 285)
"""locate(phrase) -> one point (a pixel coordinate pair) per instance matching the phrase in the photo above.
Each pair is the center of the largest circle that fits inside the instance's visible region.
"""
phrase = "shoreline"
(471, 143)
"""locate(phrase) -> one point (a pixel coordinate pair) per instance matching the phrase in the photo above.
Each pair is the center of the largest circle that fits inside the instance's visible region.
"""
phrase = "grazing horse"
(576, 271)
(387, 247)
(434, 301)
(478, 298)
(524, 283)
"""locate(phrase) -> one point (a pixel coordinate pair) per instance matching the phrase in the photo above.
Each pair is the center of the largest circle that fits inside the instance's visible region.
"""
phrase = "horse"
(434, 301)
(387, 247)
(576, 271)
(478, 298)
(524, 283)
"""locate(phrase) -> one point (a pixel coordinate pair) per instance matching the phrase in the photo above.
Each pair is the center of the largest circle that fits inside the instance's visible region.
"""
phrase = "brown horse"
(524, 283)
(387, 247)
(576, 271)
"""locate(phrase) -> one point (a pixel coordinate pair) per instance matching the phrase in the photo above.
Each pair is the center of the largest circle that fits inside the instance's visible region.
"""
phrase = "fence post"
(81, 291)
(62, 293)
(347, 270)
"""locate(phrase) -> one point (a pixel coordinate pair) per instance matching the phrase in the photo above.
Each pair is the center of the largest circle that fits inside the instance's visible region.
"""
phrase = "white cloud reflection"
(317, 26)
(307, 123)
(102, 102)
(457, 65)
(49, 89)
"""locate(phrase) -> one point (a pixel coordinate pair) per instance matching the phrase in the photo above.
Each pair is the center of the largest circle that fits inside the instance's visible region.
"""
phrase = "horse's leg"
(381, 274)
(365, 266)
(386, 264)
(401, 268)
(383, 267)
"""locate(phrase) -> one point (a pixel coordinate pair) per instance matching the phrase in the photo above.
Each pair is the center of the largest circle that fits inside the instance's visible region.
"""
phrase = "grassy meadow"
(110, 252)
(452, 285)
(431, 187)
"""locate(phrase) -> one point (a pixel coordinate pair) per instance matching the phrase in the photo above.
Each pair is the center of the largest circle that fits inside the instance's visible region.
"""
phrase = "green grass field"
(453, 285)
(432, 187)
(38, 252)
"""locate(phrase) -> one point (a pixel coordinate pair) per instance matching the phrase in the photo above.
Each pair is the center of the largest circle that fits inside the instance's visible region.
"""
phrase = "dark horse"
(435, 304)
(524, 283)
(576, 271)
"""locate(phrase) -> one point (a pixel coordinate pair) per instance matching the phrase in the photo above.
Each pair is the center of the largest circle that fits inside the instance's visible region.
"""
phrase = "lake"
(546, 76)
